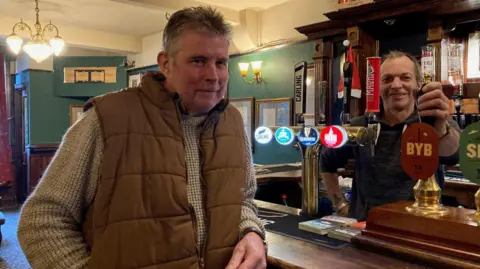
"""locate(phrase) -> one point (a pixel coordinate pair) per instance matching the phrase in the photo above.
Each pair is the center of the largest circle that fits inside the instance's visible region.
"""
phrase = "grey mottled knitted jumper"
(50, 228)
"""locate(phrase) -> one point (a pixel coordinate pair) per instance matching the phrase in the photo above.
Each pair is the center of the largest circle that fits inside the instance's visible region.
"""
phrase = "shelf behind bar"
(470, 90)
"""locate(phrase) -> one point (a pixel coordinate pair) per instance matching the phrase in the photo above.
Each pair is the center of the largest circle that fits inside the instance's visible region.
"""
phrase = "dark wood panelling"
(324, 29)
(449, 241)
(286, 252)
(323, 57)
(363, 46)
(386, 9)
(404, 25)
(463, 192)
(39, 157)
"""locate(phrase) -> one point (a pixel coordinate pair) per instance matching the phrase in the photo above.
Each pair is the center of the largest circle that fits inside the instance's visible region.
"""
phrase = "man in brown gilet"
(155, 176)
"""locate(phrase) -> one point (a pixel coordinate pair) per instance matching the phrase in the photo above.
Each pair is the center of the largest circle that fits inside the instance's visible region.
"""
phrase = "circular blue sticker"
(284, 136)
(263, 135)
(308, 136)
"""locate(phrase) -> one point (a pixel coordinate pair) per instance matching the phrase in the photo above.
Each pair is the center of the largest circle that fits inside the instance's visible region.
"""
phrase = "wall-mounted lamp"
(257, 75)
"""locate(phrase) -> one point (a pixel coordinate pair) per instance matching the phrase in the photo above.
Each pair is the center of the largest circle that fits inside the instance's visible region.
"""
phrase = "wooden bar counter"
(463, 192)
(294, 175)
(285, 252)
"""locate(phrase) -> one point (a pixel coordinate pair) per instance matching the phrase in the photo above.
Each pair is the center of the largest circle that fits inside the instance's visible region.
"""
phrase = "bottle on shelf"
(455, 77)
(428, 71)
(428, 63)
(455, 72)
(462, 122)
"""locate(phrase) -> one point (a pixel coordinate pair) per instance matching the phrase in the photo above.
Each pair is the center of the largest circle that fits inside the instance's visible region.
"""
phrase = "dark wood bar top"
(285, 252)
(295, 175)
(464, 192)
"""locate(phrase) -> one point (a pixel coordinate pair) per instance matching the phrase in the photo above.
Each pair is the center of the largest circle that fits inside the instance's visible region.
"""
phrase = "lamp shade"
(57, 44)
(38, 50)
(15, 43)
(256, 65)
(243, 68)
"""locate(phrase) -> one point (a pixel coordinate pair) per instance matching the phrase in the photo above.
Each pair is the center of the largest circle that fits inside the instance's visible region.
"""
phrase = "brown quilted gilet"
(140, 217)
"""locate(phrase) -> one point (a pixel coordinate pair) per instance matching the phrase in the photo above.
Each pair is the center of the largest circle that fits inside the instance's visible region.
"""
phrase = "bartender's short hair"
(204, 19)
(397, 54)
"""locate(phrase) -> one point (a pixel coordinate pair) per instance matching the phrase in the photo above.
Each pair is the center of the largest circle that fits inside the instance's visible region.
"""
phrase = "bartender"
(379, 178)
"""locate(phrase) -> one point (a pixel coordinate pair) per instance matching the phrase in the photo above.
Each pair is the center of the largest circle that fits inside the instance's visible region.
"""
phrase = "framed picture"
(76, 111)
(134, 80)
(274, 112)
(246, 108)
(89, 76)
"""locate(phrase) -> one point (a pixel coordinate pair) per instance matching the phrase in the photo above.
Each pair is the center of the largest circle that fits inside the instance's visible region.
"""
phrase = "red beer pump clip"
(373, 96)
(373, 88)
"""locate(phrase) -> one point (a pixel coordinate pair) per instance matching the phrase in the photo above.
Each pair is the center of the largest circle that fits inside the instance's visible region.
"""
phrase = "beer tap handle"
(372, 99)
(426, 119)
(347, 87)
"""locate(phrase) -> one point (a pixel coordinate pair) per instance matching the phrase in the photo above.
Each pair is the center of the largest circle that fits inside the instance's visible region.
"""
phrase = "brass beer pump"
(427, 198)
(360, 135)
(311, 167)
(310, 155)
(476, 216)
(427, 192)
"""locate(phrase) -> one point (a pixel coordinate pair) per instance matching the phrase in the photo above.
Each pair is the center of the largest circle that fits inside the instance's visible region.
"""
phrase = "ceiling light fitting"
(38, 47)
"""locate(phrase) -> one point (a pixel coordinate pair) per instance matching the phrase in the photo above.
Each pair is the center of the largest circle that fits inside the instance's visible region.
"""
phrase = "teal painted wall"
(49, 99)
(277, 71)
(47, 114)
(135, 71)
(87, 89)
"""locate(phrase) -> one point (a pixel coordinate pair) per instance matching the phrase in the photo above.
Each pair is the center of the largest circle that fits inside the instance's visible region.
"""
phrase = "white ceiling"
(129, 17)
(244, 4)
(103, 15)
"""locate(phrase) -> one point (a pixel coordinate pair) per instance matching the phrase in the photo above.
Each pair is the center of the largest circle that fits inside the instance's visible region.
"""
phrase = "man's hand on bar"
(249, 253)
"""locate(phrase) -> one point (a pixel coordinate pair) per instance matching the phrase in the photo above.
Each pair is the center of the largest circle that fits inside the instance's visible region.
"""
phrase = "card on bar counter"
(319, 226)
(326, 224)
(341, 219)
(344, 233)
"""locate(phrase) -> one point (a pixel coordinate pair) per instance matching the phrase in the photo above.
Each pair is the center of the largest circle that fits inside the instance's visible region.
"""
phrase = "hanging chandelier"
(38, 47)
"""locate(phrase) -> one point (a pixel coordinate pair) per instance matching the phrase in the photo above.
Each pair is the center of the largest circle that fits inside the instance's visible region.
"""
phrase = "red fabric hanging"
(6, 174)
(356, 87)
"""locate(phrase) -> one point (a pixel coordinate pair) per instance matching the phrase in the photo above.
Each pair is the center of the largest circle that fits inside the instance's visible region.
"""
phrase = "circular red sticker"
(333, 137)
(420, 151)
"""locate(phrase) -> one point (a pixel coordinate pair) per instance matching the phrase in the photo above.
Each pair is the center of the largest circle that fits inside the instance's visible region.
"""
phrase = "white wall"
(76, 51)
(279, 22)
(151, 46)
(81, 36)
(24, 62)
(276, 23)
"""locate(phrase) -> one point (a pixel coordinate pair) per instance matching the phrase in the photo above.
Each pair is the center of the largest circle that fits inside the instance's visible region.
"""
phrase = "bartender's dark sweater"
(379, 179)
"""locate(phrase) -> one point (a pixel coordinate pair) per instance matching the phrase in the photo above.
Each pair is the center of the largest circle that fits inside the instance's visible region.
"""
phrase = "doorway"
(19, 156)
